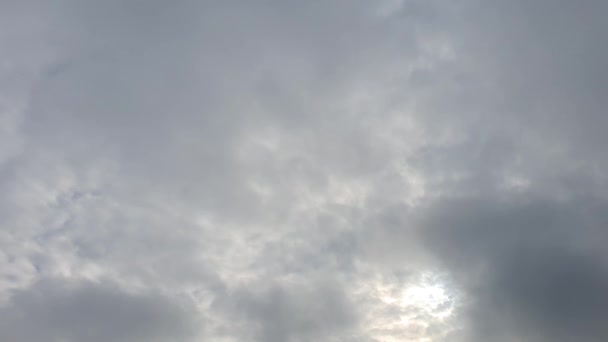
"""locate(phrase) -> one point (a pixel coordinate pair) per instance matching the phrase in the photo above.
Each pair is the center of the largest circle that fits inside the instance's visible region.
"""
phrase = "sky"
(293, 171)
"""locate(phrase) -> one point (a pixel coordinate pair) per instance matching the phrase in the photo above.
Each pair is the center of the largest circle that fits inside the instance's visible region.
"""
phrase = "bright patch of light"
(428, 298)
(418, 309)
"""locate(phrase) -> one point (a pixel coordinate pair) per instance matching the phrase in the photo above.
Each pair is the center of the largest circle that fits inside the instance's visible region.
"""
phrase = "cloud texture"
(290, 171)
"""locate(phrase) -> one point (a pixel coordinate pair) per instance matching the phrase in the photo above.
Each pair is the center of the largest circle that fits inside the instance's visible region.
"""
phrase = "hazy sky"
(303, 170)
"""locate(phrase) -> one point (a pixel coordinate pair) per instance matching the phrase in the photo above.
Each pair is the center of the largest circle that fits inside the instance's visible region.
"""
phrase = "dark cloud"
(65, 310)
(533, 268)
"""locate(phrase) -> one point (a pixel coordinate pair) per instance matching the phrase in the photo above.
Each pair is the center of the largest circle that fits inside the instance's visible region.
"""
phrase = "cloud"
(295, 171)
(64, 310)
(532, 267)
(291, 312)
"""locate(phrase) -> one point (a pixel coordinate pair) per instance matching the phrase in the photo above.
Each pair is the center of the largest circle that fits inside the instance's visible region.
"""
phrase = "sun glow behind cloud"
(417, 308)
(430, 298)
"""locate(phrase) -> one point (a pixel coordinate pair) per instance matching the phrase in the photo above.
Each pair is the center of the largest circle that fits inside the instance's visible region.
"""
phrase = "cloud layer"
(394, 170)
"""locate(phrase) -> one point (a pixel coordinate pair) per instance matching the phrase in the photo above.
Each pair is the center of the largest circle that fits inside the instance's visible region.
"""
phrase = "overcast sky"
(303, 170)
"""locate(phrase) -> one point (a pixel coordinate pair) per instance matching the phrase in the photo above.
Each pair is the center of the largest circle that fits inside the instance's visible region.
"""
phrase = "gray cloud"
(534, 268)
(63, 310)
(297, 171)
(291, 312)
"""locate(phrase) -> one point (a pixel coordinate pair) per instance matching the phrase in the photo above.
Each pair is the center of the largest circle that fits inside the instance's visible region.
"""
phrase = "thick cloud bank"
(290, 171)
